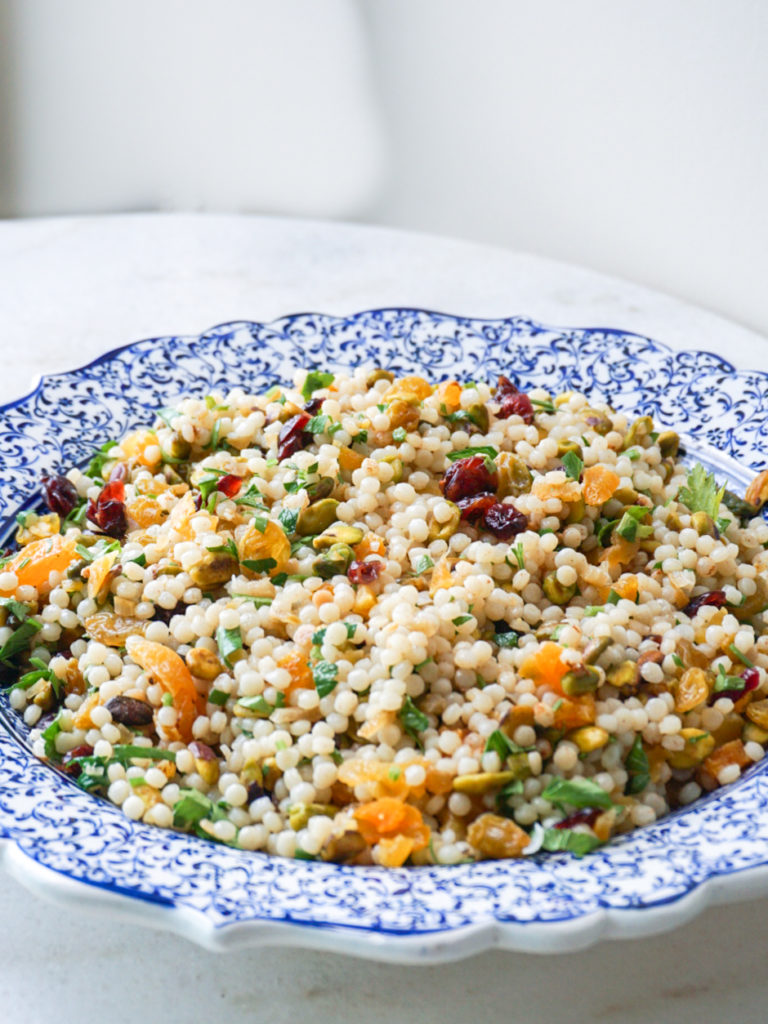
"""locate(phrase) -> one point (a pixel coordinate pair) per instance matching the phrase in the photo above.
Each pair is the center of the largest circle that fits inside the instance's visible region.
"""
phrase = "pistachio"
(624, 676)
(755, 603)
(334, 561)
(378, 374)
(519, 765)
(41, 693)
(317, 517)
(740, 508)
(703, 524)
(203, 663)
(626, 495)
(206, 762)
(345, 848)
(299, 814)
(563, 447)
(580, 680)
(251, 772)
(320, 488)
(338, 533)
(600, 422)
(445, 530)
(698, 746)
(176, 447)
(555, 591)
(514, 476)
(640, 431)
(519, 714)
(595, 648)
(215, 567)
(482, 782)
(666, 468)
(589, 738)
(669, 444)
(397, 467)
(478, 414)
(577, 511)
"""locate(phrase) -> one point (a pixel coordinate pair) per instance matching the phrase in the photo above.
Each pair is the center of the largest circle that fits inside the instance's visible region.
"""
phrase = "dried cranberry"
(473, 509)
(751, 679)
(587, 816)
(108, 511)
(255, 791)
(716, 598)
(60, 494)
(84, 750)
(229, 485)
(364, 572)
(292, 436)
(165, 614)
(504, 521)
(314, 406)
(467, 477)
(512, 402)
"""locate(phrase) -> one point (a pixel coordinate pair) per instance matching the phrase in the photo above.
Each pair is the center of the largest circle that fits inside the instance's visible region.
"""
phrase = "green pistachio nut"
(213, 569)
(378, 374)
(578, 681)
(316, 517)
(555, 591)
(338, 533)
(641, 430)
(669, 444)
(444, 531)
(334, 561)
(703, 524)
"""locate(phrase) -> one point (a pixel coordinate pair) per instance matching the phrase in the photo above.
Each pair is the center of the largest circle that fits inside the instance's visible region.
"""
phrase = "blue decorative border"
(722, 412)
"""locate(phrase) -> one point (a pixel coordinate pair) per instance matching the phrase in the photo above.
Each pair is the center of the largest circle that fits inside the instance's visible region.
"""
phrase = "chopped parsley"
(638, 769)
(577, 792)
(577, 843)
(413, 720)
(701, 493)
(423, 564)
(315, 380)
(467, 453)
(572, 465)
(229, 641)
(325, 675)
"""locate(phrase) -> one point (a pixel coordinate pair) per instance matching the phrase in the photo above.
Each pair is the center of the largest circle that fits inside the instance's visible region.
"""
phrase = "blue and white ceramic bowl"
(74, 847)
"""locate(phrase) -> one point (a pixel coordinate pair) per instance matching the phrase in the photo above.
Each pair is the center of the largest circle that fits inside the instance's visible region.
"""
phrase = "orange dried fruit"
(394, 852)
(564, 490)
(145, 511)
(441, 575)
(371, 544)
(692, 690)
(167, 668)
(387, 818)
(408, 389)
(545, 667)
(135, 446)
(600, 484)
(729, 753)
(449, 393)
(36, 561)
(298, 668)
(257, 551)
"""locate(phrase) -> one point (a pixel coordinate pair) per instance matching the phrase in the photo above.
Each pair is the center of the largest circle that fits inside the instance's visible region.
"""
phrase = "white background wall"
(628, 136)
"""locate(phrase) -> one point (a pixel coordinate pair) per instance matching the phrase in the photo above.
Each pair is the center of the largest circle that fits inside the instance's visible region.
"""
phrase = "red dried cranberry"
(60, 494)
(292, 436)
(314, 405)
(229, 485)
(512, 402)
(751, 679)
(467, 477)
(587, 816)
(364, 572)
(504, 521)
(473, 509)
(715, 598)
(84, 750)
(108, 511)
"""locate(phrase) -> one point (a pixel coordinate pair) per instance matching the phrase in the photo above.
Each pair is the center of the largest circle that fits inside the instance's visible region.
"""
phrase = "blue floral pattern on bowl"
(56, 835)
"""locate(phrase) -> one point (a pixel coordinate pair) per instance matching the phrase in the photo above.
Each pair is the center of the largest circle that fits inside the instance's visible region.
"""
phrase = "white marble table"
(71, 289)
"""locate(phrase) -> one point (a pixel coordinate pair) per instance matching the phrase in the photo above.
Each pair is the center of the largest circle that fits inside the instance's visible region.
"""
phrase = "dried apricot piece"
(145, 511)
(167, 668)
(298, 668)
(729, 753)
(600, 484)
(263, 552)
(545, 667)
(449, 393)
(387, 818)
(692, 690)
(394, 852)
(371, 544)
(36, 561)
(408, 389)
(135, 446)
(564, 490)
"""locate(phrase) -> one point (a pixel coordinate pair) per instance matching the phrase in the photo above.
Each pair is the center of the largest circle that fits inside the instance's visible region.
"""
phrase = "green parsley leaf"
(259, 602)
(229, 641)
(218, 697)
(140, 559)
(577, 792)
(18, 641)
(467, 453)
(325, 675)
(101, 547)
(228, 548)
(315, 380)
(40, 671)
(288, 518)
(726, 682)
(577, 843)
(461, 619)
(191, 808)
(701, 493)
(517, 553)
(613, 597)
(319, 636)
(503, 797)
(508, 639)
(678, 661)
(18, 609)
(633, 454)
(502, 745)
(322, 424)
(96, 465)
(360, 438)
(413, 720)
(259, 564)
(572, 465)
(259, 707)
(603, 530)
(423, 564)
(49, 737)
(638, 768)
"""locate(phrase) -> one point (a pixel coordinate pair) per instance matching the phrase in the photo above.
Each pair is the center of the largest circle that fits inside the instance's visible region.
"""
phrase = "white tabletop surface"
(72, 288)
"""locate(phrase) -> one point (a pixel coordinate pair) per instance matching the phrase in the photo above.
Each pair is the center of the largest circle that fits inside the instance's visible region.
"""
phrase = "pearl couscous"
(376, 620)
